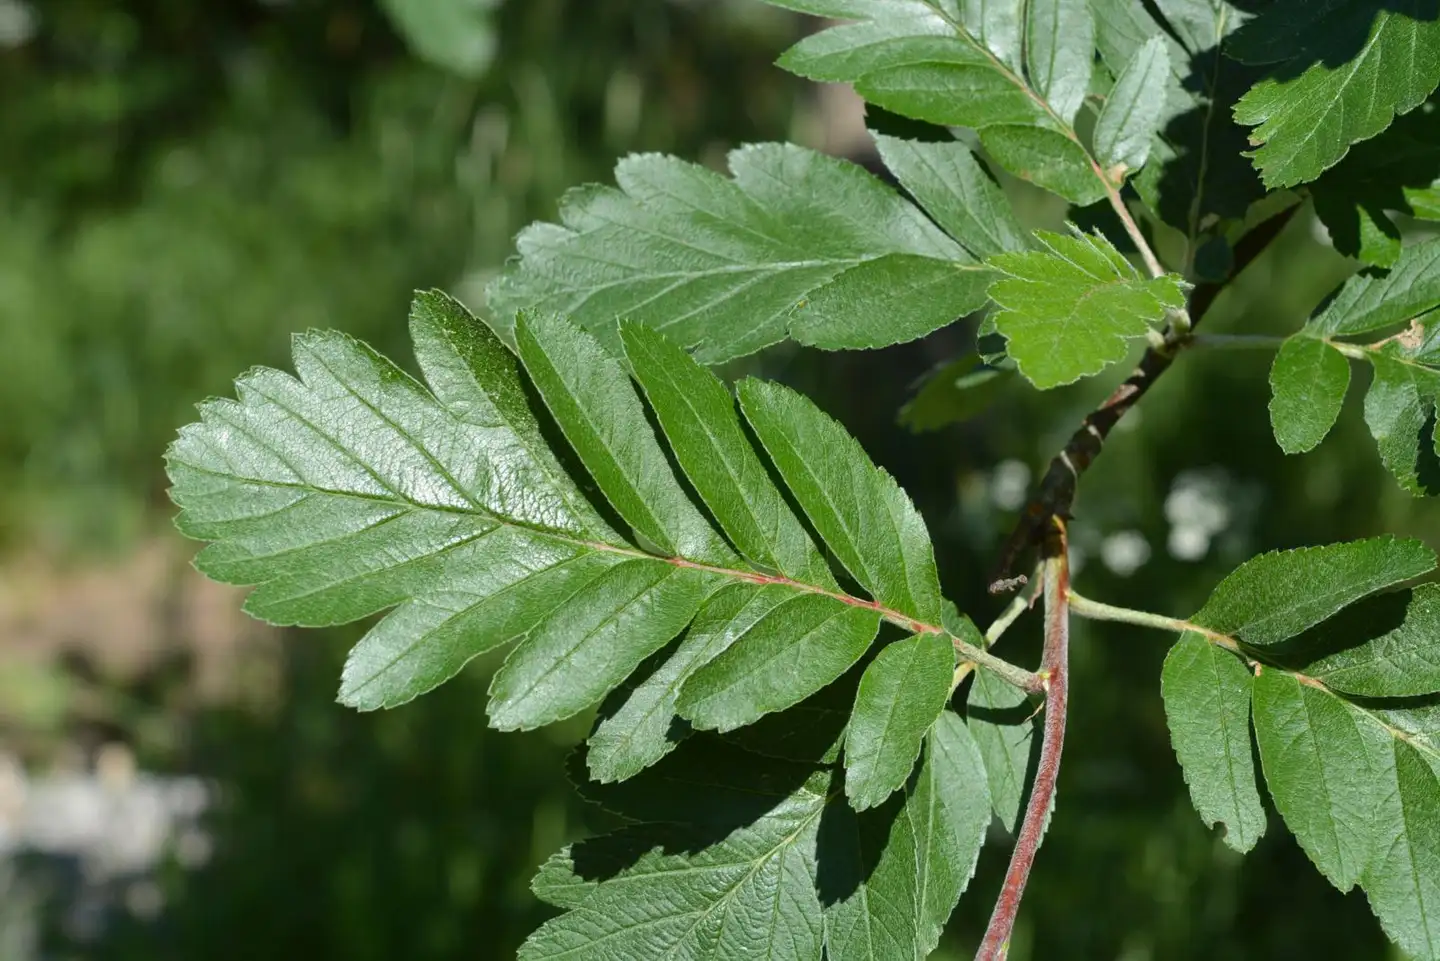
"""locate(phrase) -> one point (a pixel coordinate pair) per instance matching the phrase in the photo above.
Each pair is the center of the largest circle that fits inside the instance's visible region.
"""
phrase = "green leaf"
(927, 62)
(1399, 409)
(1370, 302)
(861, 513)
(729, 266)
(1201, 24)
(1316, 765)
(583, 650)
(354, 489)
(1195, 172)
(601, 416)
(1060, 52)
(1069, 311)
(1387, 647)
(642, 728)
(1330, 89)
(901, 694)
(1403, 880)
(794, 650)
(1046, 158)
(680, 892)
(997, 24)
(954, 392)
(1002, 721)
(1394, 172)
(1276, 596)
(1307, 383)
(949, 804)
(957, 192)
(697, 414)
(1207, 705)
(1132, 112)
(896, 873)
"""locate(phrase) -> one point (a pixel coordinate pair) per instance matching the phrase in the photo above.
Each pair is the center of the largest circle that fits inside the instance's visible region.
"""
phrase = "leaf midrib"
(892, 615)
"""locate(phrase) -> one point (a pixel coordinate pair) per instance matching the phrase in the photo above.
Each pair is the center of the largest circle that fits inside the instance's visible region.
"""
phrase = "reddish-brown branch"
(1056, 671)
(1055, 495)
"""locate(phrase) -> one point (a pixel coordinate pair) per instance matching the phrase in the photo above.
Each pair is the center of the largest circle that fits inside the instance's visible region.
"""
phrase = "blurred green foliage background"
(186, 184)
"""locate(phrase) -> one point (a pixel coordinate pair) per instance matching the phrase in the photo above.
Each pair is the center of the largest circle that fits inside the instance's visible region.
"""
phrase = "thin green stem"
(1015, 676)
(1007, 617)
(1137, 237)
(1099, 611)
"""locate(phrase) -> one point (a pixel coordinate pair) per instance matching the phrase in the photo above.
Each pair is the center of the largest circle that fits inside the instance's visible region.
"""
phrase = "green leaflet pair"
(355, 489)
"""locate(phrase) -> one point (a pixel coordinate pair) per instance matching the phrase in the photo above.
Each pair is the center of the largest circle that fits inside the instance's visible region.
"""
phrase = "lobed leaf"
(793, 245)
(1276, 596)
(1207, 705)
(1344, 70)
(1069, 311)
(354, 489)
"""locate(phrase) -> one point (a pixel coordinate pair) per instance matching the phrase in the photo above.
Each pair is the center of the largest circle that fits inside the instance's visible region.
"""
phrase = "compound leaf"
(1069, 311)
(1276, 596)
(1195, 173)
(354, 489)
(901, 694)
(1344, 69)
(1307, 382)
(954, 392)
(794, 650)
(597, 408)
(698, 416)
(642, 728)
(729, 266)
(1207, 705)
(930, 62)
